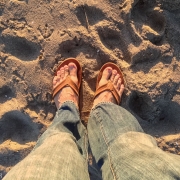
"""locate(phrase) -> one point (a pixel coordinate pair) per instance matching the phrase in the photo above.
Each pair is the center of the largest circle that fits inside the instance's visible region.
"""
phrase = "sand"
(140, 36)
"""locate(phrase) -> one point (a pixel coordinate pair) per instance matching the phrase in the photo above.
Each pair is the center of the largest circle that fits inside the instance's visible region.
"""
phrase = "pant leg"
(123, 151)
(60, 153)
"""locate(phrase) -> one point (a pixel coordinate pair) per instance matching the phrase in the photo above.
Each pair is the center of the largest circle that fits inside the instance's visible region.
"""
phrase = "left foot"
(66, 93)
(109, 74)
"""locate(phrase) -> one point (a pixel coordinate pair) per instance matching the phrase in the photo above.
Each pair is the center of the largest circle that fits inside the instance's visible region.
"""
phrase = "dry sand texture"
(141, 36)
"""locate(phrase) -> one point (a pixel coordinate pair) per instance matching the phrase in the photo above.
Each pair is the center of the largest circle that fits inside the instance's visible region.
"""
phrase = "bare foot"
(109, 75)
(66, 93)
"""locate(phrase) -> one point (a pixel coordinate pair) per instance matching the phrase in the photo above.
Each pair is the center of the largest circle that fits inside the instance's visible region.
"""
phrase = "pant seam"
(85, 146)
(108, 150)
(86, 151)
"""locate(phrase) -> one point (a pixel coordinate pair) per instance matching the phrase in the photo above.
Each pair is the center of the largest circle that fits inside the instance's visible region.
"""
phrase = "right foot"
(106, 96)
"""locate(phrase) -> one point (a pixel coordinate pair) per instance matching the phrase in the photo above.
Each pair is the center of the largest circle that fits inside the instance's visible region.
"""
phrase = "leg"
(120, 147)
(60, 153)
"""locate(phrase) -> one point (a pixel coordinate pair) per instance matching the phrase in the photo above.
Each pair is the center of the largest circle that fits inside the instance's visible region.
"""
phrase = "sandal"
(109, 86)
(68, 81)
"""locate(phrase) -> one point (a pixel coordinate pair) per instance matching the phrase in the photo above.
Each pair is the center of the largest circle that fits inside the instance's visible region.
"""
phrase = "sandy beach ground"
(140, 36)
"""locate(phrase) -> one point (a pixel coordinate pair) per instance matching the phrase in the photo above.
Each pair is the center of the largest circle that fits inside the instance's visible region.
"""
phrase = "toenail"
(71, 66)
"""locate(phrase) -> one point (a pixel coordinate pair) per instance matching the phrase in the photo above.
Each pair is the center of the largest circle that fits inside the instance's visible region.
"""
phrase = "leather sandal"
(109, 86)
(68, 81)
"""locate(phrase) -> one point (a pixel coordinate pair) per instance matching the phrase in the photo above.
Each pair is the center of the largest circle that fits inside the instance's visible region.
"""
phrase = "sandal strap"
(108, 87)
(66, 83)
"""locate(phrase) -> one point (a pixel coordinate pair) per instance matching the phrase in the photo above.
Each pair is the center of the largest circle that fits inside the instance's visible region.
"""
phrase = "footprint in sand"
(148, 26)
(72, 47)
(149, 22)
(154, 111)
(2, 6)
(18, 127)
(11, 158)
(141, 104)
(21, 47)
(113, 40)
(16, 131)
(6, 93)
(89, 14)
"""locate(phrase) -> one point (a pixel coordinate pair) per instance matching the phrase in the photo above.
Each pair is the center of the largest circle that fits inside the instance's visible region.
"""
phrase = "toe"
(59, 73)
(72, 69)
(62, 73)
(119, 84)
(66, 70)
(56, 80)
(116, 78)
(121, 90)
(107, 73)
(114, 72)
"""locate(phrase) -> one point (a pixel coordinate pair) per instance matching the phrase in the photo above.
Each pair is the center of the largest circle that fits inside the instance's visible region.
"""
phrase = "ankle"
(66, 94)
(105, 96)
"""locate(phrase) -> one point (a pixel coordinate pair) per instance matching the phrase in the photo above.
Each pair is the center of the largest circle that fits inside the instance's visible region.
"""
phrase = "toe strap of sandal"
(108, 87)
(67, 82)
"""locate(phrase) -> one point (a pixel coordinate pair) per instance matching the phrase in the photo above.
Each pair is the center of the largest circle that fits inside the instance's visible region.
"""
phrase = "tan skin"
(68, 94)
